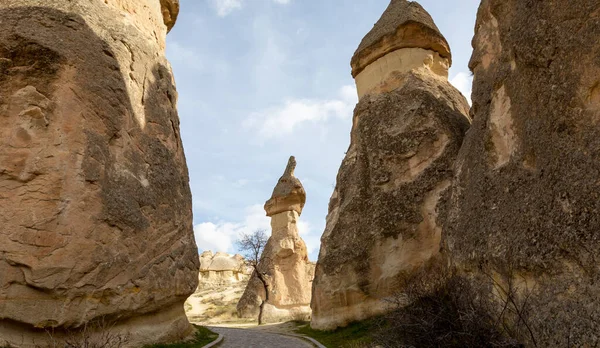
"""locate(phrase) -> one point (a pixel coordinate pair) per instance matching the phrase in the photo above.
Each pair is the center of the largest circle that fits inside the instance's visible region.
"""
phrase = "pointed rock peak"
(289, 194)
(404, 24)
(291, 166)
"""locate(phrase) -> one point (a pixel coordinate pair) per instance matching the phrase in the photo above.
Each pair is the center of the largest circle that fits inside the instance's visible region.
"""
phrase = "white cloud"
(225, 7)
(282, 120)
(221, 236)
(313, 241)
(463, 82)
(283, 2)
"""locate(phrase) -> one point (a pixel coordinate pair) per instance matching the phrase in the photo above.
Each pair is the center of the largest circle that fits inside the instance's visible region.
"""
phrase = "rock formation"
(223, 279)
(96, 208)
(222, 268)
(407, 129)
(284, 260)
(524, 212)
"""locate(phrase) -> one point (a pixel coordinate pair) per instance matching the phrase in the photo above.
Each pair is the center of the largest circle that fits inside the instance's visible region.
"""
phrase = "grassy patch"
(203, 337)
(352, 336)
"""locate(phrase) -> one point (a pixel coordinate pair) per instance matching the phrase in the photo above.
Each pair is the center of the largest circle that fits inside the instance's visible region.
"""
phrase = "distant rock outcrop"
(524, 216)
(284, 260)
(222, 268)
(407, 130)
(223, 279)
(95, 205)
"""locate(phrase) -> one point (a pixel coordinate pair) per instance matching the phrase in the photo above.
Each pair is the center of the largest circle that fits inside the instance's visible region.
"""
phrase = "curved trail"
(244, 338)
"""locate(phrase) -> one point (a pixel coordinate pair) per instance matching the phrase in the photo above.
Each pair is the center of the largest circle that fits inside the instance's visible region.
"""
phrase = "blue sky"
(260, 80)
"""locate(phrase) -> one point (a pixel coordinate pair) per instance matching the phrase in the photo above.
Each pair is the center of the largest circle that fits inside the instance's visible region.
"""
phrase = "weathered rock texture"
(525, 206)
(407, 130)
(222, 268)
(284, 259)
(96, 209)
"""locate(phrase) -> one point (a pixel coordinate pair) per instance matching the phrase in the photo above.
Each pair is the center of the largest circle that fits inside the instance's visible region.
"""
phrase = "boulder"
(96, 207)
(523, 221)
(408, 126)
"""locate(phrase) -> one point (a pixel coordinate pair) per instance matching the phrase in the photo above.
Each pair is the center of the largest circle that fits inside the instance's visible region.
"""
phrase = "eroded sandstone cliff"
(523, 221)
(284, 260)
(407, 129)
(96, 208)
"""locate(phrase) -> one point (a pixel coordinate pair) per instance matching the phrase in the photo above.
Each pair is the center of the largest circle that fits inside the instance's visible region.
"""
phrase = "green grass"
(203, 337)
(353, 335)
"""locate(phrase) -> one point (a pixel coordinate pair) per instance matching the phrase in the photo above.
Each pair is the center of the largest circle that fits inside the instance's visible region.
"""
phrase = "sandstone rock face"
(96, 208)
(284, 259)
(523, 216)
(222, 268)
(407, 130)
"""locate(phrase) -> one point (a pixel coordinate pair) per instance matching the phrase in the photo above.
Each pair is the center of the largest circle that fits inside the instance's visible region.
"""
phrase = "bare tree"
(100, 333)
(252, 246)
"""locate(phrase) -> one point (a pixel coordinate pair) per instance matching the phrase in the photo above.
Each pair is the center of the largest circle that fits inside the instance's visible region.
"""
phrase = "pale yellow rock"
(399, 61)
(284, 259)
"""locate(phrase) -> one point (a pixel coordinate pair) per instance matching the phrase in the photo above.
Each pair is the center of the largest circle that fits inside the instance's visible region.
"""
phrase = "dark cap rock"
(404, 24)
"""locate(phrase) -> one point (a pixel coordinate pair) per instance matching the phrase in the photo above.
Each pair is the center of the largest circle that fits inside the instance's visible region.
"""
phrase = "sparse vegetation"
(99, 333)
(440, 308)
(252, 246)
(356, 335)
(203, 337)
(450, 316)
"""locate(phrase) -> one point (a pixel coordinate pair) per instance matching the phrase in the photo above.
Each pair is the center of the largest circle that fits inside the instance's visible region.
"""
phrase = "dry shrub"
(440, 308)
(97, 334)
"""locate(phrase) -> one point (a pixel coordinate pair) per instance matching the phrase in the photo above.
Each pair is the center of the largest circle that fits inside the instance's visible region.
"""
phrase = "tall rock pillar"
(407, 129)
(524, 218)
(96, 219)
(284, 259)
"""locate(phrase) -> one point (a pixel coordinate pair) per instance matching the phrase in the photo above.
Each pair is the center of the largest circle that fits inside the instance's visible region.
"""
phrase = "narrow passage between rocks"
(246, 338)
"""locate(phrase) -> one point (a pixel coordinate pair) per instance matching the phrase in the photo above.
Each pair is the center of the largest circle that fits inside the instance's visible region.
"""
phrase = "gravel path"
(244, 338)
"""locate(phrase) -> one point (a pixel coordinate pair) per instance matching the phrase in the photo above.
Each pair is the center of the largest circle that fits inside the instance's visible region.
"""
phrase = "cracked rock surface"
(525, 206)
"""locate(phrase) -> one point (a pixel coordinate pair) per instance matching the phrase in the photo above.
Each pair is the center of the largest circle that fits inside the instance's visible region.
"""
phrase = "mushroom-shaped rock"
(404, 24)
(284, 259)
(404, 38)
(407, 129)
(289, 194)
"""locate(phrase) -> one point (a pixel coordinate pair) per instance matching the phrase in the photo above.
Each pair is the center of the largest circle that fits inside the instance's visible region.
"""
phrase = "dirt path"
(249, 338)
